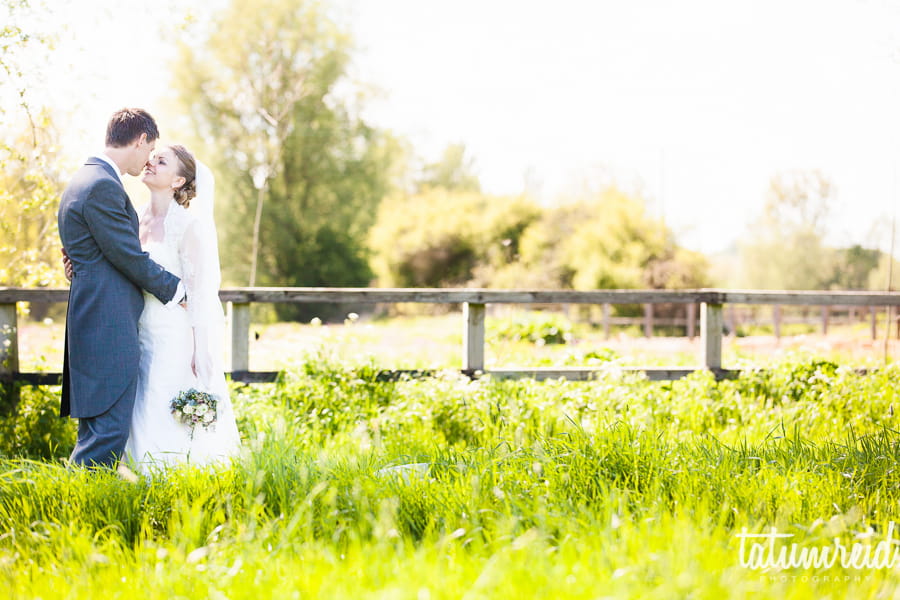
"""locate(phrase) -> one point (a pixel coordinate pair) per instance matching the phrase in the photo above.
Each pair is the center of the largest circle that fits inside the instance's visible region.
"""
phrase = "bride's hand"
(194, 364)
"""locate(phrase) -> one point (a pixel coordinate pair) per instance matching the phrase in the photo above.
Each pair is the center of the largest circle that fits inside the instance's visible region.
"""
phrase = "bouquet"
(193, 407)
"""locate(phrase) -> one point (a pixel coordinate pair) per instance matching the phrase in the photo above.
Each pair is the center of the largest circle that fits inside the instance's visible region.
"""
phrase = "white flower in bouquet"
(193, 406)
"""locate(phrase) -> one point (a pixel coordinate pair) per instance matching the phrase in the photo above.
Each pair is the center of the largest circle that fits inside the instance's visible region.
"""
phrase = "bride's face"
(161, 171)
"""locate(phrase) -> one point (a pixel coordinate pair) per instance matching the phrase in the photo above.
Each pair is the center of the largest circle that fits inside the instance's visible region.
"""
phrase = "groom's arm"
(110, 224)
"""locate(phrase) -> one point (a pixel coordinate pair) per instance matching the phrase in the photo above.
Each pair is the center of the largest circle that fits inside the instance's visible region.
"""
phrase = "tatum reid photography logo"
(771, 551)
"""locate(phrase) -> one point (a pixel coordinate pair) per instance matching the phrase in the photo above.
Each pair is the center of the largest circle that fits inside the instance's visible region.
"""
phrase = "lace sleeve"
(200, 265)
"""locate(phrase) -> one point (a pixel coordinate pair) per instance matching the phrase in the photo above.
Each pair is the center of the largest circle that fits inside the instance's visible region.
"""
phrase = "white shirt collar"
(102, 156)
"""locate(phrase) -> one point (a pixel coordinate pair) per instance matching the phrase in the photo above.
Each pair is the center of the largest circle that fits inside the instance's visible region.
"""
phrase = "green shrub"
(535, 327)
(440, 238)
(35, 429)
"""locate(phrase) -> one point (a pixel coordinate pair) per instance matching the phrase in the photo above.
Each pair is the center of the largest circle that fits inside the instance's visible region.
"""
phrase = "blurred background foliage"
(299, 172)
(30, 186)
(31, 178)
(311, 194)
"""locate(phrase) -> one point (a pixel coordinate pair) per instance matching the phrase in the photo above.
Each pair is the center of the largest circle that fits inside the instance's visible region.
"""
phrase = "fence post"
(239, 318)
(691, 320)
(606, 311)
(648, 320)
(711, 334)
(9, 357)
(776, 311)
(825, 311)
(873, 315)
(473, 337)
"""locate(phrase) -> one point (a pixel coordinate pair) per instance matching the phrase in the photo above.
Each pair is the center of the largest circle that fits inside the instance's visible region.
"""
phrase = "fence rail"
(473, 301)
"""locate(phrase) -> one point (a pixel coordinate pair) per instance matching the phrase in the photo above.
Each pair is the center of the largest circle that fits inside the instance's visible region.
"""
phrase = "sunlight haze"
(695, 104)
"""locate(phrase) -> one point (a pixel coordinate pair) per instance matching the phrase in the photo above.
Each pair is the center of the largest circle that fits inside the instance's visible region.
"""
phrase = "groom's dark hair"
(127, 125)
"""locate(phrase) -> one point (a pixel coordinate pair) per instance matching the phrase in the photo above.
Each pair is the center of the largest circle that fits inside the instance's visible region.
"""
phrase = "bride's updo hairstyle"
(187, 168)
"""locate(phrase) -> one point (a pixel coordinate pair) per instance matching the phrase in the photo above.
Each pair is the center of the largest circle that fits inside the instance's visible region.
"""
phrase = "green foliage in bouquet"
(193, 407)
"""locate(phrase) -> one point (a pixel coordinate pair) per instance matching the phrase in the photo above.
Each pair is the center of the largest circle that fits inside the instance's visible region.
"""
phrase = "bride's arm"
(200, 264)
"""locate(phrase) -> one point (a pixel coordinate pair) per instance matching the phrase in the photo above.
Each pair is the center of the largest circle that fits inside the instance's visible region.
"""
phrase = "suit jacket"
(98, 227)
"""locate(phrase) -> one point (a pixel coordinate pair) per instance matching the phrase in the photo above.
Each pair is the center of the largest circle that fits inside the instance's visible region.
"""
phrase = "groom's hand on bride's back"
(67, 265)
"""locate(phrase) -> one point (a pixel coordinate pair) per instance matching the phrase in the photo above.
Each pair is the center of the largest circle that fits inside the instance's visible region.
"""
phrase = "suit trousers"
(101, 439)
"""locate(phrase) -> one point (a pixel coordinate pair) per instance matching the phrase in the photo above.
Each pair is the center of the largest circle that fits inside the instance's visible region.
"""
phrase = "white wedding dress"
(167, 338)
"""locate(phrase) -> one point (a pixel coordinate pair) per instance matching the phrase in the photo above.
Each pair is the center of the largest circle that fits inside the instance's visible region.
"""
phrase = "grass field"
(450, 488)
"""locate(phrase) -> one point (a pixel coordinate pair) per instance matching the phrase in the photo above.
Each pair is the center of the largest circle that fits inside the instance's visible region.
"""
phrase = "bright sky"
(697, 102)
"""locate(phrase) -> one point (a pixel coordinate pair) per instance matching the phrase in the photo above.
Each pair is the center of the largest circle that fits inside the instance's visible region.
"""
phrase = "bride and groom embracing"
(144, 322)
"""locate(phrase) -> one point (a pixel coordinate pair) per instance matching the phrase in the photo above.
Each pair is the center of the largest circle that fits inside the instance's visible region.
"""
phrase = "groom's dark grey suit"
(98, 227)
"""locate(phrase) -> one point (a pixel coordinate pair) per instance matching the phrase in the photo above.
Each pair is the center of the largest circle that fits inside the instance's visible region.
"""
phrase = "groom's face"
(141, 150)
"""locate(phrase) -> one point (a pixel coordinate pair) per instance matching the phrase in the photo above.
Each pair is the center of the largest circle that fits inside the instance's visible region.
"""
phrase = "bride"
(180, 349)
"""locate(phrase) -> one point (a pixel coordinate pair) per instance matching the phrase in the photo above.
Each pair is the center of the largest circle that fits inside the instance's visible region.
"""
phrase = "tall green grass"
(618, 488)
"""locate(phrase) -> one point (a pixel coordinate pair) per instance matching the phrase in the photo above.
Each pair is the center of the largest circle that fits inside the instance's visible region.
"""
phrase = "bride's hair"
(187, 169)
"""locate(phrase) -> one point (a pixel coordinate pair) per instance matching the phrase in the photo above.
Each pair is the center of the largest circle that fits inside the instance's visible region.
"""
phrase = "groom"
(98, 227)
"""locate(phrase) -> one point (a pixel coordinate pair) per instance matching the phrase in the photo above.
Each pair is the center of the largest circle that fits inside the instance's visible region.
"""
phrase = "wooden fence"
(473, 301)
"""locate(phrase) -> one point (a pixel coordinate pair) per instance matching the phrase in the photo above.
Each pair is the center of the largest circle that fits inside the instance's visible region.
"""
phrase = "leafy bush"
(34, 429)
(793, 381)
(438, 238)
(535, 327)
(619, 245)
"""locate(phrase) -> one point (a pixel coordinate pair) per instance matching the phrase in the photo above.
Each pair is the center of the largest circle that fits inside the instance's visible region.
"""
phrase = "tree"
(615, 243)
(29, 194)
(442, 237)
(18, 44)
(30, 182)
(455, 171)
(299, 172)
(886, 275)
(784, 247)
(853, 268)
